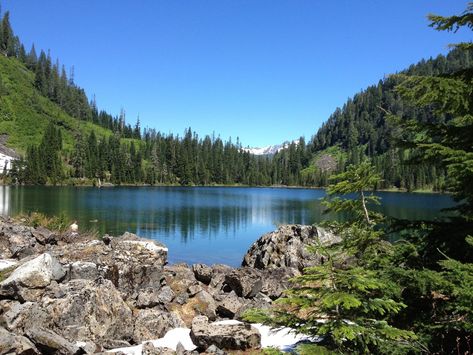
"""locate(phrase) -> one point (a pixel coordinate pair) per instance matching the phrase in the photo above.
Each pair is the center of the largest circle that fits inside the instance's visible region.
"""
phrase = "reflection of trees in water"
(188, 213)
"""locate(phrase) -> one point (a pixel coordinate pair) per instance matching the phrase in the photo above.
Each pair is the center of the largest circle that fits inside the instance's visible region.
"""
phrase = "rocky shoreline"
(69, 294)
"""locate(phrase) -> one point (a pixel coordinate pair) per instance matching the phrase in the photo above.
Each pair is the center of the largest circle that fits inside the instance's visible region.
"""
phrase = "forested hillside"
(65, 138)
(40, 103)
(360, 128)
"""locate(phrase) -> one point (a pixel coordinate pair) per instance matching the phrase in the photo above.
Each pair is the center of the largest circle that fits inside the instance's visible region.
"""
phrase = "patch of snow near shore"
(282, 339)
(170, 340)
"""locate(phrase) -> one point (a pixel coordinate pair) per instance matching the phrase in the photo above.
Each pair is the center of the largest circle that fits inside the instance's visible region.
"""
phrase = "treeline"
(53, 82)
(155, 159)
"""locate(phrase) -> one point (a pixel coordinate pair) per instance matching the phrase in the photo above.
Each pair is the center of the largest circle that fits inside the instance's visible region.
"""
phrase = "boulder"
(154, 324)
(287, 247)
(34, 274)
(17, 317)
(230, 305)
(203, 273)
(246, 282)
(89, 311)
(235, 336)
(166, 295)
(15, 344)
(44, 236)
(49, 342)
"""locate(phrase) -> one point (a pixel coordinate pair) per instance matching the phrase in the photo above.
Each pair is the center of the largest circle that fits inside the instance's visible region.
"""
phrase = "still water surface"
(198, 224)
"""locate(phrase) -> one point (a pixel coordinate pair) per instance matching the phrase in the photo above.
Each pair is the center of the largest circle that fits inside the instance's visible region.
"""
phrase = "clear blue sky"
(263, 70)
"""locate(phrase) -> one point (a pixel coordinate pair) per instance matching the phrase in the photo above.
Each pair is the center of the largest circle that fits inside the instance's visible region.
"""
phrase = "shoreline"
(295, 187)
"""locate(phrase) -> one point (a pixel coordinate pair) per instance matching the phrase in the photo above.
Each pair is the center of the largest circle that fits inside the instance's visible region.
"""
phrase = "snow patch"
(147, 245)
(284, 338)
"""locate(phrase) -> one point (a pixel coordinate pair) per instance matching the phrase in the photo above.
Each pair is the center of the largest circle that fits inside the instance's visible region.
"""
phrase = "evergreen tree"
(349, 304)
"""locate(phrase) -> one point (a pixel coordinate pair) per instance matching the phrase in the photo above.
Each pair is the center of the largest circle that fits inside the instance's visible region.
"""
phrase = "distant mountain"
(270, 149)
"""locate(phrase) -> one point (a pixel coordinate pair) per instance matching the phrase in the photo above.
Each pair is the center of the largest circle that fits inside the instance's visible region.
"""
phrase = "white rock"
(36, 273)
(6, 263)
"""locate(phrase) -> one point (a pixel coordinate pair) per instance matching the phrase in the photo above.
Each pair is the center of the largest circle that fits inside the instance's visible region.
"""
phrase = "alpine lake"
(200, 224)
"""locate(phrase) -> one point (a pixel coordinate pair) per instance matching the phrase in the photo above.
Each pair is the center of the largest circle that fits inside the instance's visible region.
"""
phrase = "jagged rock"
(287, 247)
(15, 344)
(276, 281)
(219, 271)
(230, 305)
(34, 274)
(44, 236)
(246, 282)
(225, 336)
(166, 295)
(18, 316)
(16, 240)
(90, 310)
(154, 324)
(212, 349)
(180, 349)
(83, 270)
(148, 298)
(149, 349)
(51, 343)
(203, 273)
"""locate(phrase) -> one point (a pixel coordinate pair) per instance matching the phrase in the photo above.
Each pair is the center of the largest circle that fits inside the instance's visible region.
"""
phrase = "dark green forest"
(120, 153)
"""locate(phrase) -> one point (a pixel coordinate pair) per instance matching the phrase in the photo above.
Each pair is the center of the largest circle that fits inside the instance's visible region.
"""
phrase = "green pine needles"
(346, 302)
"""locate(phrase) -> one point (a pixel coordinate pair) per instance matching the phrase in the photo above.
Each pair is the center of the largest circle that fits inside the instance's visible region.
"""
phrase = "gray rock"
(212, 349)
(51, 343)
(154, 324)
(180, 349)
(15, 344)
(83, 270)
(276, 281)
(18, 316)
(166, 295)
(36, 273)
(230, 305)
(148, 298)
(203, 273)
(287, 247)
(224, 336)
(246, 282)
(44, 236)
(205, 305)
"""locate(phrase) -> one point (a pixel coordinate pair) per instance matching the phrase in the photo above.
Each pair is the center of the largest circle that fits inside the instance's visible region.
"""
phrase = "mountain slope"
(25, 113)
(360, 129)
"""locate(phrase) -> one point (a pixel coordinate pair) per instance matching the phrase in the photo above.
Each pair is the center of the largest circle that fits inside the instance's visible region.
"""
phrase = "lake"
(198, 224)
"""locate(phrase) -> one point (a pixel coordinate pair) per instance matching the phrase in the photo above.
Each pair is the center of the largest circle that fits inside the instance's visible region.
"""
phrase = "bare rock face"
(89, 310)
(287, 247)
(224, 336)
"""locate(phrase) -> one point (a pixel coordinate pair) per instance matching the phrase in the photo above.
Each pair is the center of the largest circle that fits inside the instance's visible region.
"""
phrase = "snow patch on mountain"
(270, 149)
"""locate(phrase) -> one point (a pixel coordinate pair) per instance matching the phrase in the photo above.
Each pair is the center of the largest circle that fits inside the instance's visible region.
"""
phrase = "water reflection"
(198, 224)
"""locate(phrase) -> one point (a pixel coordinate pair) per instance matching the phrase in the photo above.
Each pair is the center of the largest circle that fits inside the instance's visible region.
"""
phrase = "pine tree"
(433, 264)
(348, 304)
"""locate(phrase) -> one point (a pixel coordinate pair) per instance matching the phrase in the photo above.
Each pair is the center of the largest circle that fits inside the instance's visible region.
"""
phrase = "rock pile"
(64, 295)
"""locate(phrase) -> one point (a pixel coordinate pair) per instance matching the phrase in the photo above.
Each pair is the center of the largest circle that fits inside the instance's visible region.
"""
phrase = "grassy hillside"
(25, 113)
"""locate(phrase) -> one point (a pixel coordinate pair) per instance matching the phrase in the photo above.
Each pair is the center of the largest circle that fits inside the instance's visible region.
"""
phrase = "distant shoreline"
(109, 185)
